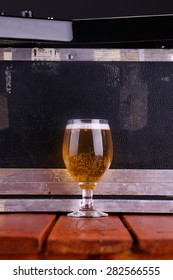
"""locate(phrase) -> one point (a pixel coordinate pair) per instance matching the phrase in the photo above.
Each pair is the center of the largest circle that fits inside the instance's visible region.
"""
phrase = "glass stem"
(87, 200)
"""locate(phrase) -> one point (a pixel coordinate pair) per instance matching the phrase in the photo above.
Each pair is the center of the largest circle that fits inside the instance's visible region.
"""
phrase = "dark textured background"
(136, 98)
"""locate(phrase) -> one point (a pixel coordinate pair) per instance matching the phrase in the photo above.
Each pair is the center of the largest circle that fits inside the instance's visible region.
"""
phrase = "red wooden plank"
(154, 233)
(24, 233)
(88, 236)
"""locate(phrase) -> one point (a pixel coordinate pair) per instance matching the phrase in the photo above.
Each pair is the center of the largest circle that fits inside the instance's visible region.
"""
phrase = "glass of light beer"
(87, 154)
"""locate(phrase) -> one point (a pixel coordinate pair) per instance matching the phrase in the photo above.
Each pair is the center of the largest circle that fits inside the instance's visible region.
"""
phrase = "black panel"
(136, 98)
(78, 9)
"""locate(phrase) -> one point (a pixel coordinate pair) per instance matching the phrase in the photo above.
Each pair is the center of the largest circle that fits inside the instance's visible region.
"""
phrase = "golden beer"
(87, 151)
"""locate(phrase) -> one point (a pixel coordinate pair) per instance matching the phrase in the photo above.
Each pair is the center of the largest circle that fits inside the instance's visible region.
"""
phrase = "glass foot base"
(87, 214)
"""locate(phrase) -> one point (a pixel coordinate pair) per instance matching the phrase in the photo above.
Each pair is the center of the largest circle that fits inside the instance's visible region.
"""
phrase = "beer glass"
(87, 154)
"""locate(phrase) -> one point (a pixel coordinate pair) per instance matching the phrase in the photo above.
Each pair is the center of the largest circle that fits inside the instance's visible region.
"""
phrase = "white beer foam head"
(102, 126)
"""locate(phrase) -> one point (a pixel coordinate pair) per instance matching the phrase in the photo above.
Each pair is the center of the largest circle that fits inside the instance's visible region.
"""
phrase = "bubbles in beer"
(87, 151)
(87, 167)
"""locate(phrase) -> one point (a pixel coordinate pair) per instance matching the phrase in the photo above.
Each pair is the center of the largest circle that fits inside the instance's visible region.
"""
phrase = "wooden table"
(34, 224)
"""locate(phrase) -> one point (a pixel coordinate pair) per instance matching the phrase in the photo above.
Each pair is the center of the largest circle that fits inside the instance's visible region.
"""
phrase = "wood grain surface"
(89, 236)
(24, 233)
(153, 233)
